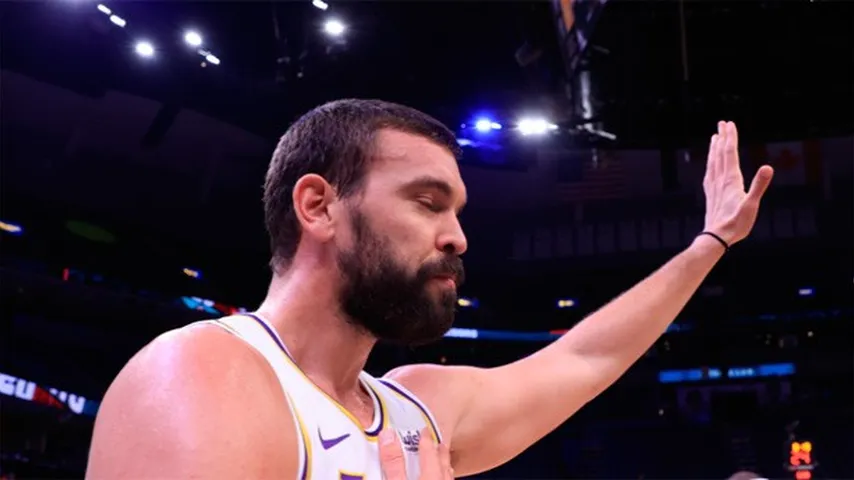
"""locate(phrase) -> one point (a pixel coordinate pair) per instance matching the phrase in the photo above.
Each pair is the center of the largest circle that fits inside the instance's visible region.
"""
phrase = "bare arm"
(194, 404)
(491, 415)
(529, 398)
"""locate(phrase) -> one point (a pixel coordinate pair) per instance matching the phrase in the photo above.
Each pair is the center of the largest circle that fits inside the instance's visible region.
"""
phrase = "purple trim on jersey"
(376, 431)
(305, 465)
(275, 337)
(272, 334)
(284, 349)
(417, 404)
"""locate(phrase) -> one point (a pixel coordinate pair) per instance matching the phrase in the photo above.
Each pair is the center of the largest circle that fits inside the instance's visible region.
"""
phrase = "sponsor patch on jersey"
(410, 439)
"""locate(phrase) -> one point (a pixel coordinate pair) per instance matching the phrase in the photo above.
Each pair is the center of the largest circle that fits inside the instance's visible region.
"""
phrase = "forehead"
(401, 157)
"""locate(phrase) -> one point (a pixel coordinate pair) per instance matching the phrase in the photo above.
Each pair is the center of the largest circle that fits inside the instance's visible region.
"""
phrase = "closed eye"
(429, 204)
(432, 193)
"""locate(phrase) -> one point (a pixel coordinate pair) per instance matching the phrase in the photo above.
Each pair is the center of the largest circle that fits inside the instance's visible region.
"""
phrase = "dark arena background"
(135, 137)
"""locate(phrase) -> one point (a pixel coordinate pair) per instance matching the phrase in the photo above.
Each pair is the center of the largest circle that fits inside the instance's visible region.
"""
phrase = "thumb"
(391, 456)
(760, 183)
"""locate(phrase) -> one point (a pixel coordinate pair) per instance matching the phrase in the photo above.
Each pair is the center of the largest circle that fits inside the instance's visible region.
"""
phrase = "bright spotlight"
(104, 9)
(192, 273)
(118, 20)
(144, 49)
(334, 28)
(11, 228)
(467, 302)
(212, 59)
(192, 38)
(320, 4)
(565, 303)
(484, 125)
(535, 126)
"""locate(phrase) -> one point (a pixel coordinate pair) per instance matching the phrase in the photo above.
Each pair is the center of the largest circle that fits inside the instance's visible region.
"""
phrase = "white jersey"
(333, 445)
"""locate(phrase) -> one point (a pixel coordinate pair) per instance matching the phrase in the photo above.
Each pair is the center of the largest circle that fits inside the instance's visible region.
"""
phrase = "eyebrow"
(428, 182)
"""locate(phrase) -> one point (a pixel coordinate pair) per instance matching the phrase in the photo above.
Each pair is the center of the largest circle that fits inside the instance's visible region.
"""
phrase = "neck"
(305, 312)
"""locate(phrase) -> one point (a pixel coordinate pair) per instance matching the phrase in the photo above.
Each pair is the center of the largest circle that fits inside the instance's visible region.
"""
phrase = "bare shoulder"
(446, 390)
(421, 375)
(195, 402)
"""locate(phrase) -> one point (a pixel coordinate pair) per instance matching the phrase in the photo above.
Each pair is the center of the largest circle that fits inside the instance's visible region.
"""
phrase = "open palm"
(730, 211)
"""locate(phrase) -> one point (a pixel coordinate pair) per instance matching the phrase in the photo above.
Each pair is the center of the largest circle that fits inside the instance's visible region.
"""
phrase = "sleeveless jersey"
(333, 445)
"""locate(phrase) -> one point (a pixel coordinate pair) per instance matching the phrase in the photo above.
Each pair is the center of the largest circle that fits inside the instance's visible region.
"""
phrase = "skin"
(247, 431)
(434, 461)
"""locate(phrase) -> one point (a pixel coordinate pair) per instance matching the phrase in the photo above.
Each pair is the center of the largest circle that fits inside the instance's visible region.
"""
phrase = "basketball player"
(362, 200)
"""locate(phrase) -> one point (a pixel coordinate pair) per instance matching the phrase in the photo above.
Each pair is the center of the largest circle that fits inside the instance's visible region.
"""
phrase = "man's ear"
(312, 196)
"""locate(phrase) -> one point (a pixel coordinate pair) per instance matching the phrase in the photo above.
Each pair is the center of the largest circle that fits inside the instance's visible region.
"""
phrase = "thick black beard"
(382, 298)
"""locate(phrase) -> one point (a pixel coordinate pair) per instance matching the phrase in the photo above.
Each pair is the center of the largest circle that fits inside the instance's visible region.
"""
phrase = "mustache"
(449, 265)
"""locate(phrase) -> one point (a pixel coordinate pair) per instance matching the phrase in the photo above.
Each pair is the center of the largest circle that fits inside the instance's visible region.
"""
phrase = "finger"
(718, 152)
(731, 165)
(445, 461)
(733, 131)
(760, 183)
(428, 457)
(391, 456)
(710, 160)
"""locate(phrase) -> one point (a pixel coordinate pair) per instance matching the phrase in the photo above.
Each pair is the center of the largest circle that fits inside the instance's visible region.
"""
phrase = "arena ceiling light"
(485, 125)
(468, 302)
(193, 38)
(118, 21)
(192, 273)
(144, 49)
(565, 303)
(11, 228)
(334, 28)
(535, 126)
(320, 4)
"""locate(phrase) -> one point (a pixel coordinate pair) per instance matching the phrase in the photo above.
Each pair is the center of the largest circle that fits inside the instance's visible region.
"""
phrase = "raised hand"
(434, 460)
(730, 211)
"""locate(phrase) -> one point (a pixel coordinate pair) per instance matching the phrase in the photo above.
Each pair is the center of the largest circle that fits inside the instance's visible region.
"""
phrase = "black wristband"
(716, 237)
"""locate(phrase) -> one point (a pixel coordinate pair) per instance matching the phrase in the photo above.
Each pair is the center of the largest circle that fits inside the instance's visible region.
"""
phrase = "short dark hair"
(336, 141)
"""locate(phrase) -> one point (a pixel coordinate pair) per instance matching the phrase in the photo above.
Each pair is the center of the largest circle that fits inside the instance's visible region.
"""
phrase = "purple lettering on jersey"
(347, 476)
(410, 439)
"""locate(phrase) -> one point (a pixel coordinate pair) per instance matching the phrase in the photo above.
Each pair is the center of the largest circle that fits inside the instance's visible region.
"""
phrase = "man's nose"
(453, 241)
